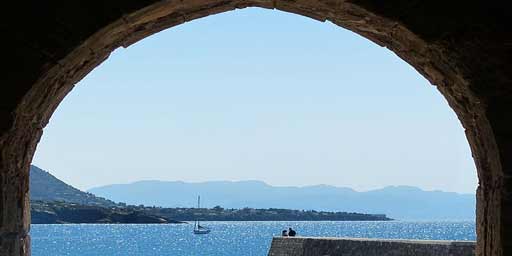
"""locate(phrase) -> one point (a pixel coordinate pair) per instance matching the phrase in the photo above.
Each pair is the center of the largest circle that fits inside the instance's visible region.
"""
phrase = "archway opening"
(374, 96)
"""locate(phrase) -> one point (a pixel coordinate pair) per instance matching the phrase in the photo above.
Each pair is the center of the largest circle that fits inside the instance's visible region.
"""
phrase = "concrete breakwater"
(313, 246)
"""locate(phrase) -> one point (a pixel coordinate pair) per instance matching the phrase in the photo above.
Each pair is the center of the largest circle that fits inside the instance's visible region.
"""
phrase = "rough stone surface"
(315, 246)
(462, 47)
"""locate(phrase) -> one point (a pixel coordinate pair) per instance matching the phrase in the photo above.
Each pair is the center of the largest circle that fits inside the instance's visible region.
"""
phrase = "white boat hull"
(201, 232)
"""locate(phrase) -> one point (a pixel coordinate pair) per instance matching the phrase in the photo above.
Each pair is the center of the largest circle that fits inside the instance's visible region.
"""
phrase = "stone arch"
(464, 52)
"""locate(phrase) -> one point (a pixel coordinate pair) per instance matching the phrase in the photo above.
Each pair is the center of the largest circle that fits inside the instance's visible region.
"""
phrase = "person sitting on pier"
(291, 232)
(284, 233)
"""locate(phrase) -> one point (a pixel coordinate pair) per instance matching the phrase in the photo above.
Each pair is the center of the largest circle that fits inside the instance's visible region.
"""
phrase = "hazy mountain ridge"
(400, 202)
(55, 202)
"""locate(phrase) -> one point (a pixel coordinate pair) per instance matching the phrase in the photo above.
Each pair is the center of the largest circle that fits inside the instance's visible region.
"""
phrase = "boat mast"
(198, 207)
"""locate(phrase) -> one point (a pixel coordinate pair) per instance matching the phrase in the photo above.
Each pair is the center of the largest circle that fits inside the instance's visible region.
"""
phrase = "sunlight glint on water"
(227, 238)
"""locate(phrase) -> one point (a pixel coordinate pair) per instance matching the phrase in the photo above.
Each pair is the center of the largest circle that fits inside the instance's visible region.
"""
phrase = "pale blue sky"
(261, 95)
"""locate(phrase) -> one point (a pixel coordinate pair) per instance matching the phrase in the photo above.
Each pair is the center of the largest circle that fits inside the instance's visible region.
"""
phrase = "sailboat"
(198, 229)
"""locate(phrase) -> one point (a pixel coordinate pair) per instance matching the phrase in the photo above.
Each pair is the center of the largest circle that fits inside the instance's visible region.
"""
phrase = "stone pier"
(323, 246)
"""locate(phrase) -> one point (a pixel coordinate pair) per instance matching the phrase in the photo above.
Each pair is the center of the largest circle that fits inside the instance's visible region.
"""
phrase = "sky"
(257, 94)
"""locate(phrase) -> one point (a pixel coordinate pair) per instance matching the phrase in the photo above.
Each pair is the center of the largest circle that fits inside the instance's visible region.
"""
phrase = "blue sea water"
(226, 238)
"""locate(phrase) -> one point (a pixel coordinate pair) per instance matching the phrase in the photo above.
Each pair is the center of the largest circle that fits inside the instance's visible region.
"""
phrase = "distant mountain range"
(55, 202)
(398, 202)
(45, 187)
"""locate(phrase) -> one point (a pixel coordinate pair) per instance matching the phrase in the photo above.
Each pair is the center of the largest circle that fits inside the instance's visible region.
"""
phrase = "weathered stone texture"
(311, 246)
(462, 47)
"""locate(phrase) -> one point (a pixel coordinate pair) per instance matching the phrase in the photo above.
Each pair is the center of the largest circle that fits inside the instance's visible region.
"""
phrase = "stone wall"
(310, 246)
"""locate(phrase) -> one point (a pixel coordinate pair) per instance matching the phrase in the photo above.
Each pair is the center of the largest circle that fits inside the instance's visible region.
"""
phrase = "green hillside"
(45, 187)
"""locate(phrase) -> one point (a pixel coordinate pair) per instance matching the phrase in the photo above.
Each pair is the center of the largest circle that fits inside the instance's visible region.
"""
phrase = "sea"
(226, 238)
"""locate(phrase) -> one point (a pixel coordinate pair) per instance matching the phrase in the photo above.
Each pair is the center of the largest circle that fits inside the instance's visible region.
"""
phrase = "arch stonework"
(465, 49)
